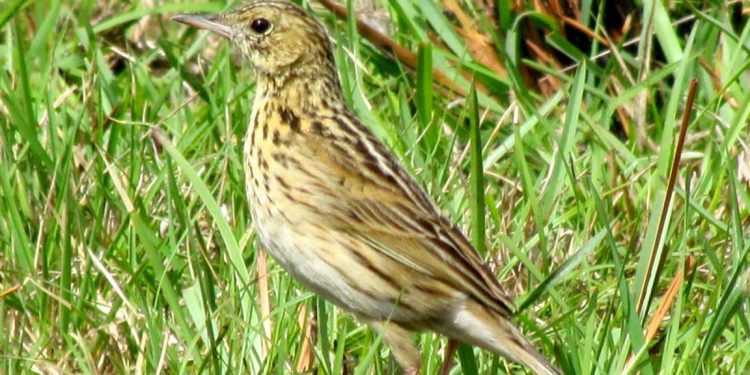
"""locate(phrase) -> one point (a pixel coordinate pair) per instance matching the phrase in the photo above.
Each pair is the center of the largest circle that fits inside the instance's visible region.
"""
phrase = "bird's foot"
(411, 370)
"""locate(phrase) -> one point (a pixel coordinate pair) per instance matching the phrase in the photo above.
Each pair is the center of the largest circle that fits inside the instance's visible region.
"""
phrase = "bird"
(336, 209)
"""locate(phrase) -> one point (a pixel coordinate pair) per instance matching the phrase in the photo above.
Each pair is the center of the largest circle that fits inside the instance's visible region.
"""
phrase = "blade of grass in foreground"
(476, 174)
(738, 287)
(233, 250)
(424, 96)
(567, 141)
(10, 10)
(650, 262)
(477, 204)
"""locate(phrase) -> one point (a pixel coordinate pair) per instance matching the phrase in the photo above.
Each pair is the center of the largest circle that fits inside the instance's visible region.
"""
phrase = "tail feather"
(475, 325)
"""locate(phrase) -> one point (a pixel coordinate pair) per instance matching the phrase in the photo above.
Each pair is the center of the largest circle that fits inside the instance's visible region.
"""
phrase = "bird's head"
(275, 36)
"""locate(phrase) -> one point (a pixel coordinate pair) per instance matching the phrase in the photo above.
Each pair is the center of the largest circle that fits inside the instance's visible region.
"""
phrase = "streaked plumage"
(338, 211)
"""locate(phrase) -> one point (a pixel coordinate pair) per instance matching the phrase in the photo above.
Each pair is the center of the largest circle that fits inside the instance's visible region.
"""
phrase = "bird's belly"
(317, 265)
(337, 266)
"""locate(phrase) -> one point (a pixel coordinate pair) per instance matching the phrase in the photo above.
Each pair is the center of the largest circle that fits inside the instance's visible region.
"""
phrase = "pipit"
(337, 210)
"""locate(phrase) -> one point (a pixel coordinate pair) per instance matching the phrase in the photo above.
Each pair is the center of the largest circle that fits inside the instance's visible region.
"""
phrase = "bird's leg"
(414, 370)
(402, 346)
(450, 352)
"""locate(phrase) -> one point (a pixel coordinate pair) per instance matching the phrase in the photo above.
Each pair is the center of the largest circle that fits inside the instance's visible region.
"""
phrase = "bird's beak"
(210, 22)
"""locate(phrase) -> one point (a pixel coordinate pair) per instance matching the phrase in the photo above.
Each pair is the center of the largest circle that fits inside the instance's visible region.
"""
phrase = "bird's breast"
(283, 187)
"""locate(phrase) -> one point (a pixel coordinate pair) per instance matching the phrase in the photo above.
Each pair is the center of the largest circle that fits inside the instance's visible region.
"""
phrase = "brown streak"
(356, 285)
(290, 118)
(432, 292)
(374, 269)
(473, 270)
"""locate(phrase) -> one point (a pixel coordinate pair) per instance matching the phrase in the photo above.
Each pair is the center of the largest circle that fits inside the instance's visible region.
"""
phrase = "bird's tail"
(475, 325)
(521, 351)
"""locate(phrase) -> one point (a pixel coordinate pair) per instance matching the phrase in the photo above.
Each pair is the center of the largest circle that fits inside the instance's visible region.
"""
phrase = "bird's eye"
(260, 25)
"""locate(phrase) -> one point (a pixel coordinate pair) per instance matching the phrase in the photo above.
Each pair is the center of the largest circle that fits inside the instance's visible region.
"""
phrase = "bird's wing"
(384, 206)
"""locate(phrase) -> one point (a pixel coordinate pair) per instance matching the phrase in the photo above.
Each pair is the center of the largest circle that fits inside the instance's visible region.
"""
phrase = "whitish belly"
(318, 262)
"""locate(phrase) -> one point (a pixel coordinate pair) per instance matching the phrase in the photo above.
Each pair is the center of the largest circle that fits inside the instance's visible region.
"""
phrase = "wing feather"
(385, 208)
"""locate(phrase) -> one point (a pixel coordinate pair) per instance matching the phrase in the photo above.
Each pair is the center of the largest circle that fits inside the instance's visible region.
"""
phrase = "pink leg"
(450, 352)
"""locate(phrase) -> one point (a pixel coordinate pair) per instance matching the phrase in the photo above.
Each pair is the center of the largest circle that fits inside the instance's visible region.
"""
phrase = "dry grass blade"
(306, 358)
(716, 82)
(263, 300)
(585, 30)
(548, 84)
(664, 308)
(478, 44)
(9, 291)
(653, 265)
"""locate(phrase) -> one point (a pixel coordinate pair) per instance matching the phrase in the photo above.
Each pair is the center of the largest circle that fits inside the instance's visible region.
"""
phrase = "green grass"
(125, 238)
